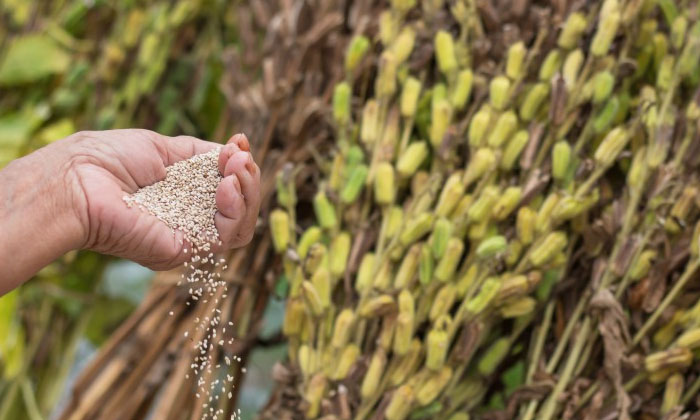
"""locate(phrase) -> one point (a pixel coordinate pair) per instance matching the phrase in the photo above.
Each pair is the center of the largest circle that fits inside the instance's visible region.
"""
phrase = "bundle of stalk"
(502, 239)
(145, 368)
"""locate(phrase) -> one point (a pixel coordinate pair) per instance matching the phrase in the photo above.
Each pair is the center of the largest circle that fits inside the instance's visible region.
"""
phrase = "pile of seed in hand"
(185, 200)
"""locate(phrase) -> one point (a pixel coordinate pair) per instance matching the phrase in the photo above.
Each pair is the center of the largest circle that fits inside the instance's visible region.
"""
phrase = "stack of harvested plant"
(502, 239)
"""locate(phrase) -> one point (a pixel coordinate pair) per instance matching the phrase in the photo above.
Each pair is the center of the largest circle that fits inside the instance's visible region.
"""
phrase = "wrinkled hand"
(106, 165)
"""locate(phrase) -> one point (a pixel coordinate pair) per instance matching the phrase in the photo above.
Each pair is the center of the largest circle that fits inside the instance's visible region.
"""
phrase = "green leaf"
(8, 304)
(11, 336)
(104, 321)
(30, 58)
(17, 127)
(56, 131)
(514, 377)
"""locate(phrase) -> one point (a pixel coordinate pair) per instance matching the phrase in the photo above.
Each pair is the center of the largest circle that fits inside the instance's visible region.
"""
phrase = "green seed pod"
(460, 416)
(445, 52)
(440, 122)
(426, 265)
(462, 90)
(505, 126)
(315, 258)
(279, 228)
(513, 149)
(433, 386)
(308, 238)
(513, 286)
(664, 77)
(572, 67)
(388, 27)
(450, 195)
(543, 252)
(412, 158)
(307, 360)
(365, 273)
(516, 308)
(611, 146)
(550, 65)
(378, 306)
(321, 281)
(347, 359)
(337, 175)
(312, 298)
(448, 264)
(508, 201)
(690, 339)
(604, 119)
(403, 44)
(439, 93)
(491, 246)
(678, 30)
(695, 241)
(386, 334)
(482, 208)
(386, 78)
(440, 236)
(408, 268)
(370, 116)
(534, 98)
(607, 29)
(493, 356)
(384, 187)
(515, 60)
(688, 60)
(325, 212)
(409, 96)
(416, 228)
(641, 266)
(356, 51)
(443, 302)
(400, 404)
(403, 333)
(286, 193)
(394, 221)
(637, 172)
(561, 158)
(341, 103)
(293, 317)
(513, 253)
(675, 359)
(569, 207)
(498, 92)
(339, 252)
(375, 372)
(437, 343)
(403, 6)
(383, 276)
(525, 224)
(660, 48)
(343, 328)
(478, 126)
(466, 281)
(572, 31)
(672, 393)
(407, 364)
(483, 299)
(354, 185)
(603, 83)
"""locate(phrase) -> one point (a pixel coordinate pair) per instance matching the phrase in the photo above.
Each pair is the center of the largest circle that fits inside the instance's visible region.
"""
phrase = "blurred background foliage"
(70, 65)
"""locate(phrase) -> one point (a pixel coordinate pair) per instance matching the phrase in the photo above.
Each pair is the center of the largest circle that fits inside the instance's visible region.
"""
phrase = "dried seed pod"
(354, 185)
(375, 372)
(543, 252)
(515, 59)
(448, 263)
(513, 149)
(445, 53)
(437, 344)
(675, 359)
(572, 30)
(409, 96)
(508, 201)
(341, 103)
(462, 90)
(356, 52)
(534, 98)
(412, 158)
(279, 229)
(506, 124)
(377, 306)
(498, 92)
(400, 404)
(493, 356)
(431, 388)
(343, 328)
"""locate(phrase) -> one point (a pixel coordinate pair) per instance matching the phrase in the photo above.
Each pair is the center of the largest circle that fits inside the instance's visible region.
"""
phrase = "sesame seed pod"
(365, 273)
(388, 27)
(641, 266)
(573, 29)
(478, 126)
(570, 206)
(440, 236)
(695, 241)
(342, 330)
(386, 334)
(660, 376)
(678, 30)
(672, 393)
(412, 158)
(611, 146)
(341, 103)
(498, 92)
(339, 252)
(441, 117)
(312, 298)
(426, 265)
(439, 93)
(325, 211)
(383, 276)
(684, 203)
(462, 89)
(572, 66)
(321, 281)
(515, 146)
(307, 360)
(450, 195)
(525, 224)
(347, 359)
(293, 317)
(377, 306)
(550, 65)
(409, 96)
(402, 6)
(688, 59)
(492, 246)
(369, 129)
(561, 157)
(663, 337)
(314, 394)
(375, 372)
(508, 201)
(403, 44)
(337, 174)
(445, 52)
(394, 221)
(664, 76)
(543, 252)
(515, 58)
(466, 281)
(459, 416)
(429, 390)
(518, 307)
(415, 228)
(400, 404)
(690, 339)
(637, 171)
(480, 230)
(604, 35)
(408, 268)
(493, 356)
(505, 126)
(279, 228)
(513, 253)
(286, 193)
(308, 238)
(483, 206)
(603, 83)
(317, 256)
(443, 302)
(513, 286)
(403, 334)
(356, 51)
(386, 78)
(437, 343)
(647, 29)
(660, 42)
(483, 299)
(675, 359)
(407, 364)
(354, 184)
(448, 264)
(605, 118)
(533, 100)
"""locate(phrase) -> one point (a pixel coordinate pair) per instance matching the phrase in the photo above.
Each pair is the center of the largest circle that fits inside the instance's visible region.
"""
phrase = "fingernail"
(250, 164)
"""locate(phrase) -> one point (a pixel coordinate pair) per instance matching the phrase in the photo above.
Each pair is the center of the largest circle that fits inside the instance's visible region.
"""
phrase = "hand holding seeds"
(71, 195)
